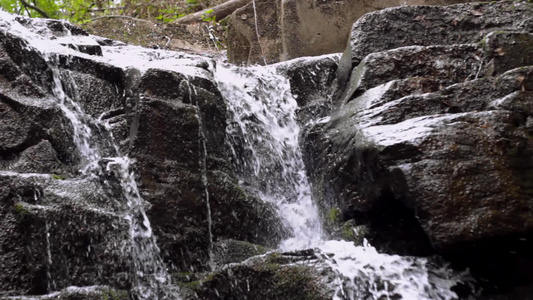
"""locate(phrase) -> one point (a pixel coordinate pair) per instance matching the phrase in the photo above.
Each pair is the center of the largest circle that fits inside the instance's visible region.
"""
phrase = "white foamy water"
(264, 135)
(151, 278)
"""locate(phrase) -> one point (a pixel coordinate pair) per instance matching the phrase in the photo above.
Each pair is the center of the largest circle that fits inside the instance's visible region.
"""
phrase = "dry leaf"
(499, 51)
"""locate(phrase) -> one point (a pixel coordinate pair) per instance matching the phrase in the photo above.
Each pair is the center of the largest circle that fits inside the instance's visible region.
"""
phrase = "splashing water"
(264, 140)
(263, 136)
(151, 279)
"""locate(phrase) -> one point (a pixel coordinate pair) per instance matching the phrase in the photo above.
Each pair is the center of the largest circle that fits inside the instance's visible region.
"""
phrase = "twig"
(116, 16)
(257, 33)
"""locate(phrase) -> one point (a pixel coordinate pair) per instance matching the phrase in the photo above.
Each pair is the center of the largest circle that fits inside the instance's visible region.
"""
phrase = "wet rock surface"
(434, 25)
(292, 275)
(188, 122)
(434, 122)
(313, 82)
(429, 150)
(62, 227)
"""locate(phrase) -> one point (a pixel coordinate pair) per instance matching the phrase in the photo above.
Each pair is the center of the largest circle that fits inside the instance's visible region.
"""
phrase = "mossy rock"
(350, 231)
(264, 278)
(233, 251)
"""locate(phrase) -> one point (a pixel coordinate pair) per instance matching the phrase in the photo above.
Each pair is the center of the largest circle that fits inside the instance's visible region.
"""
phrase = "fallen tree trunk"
(219, 12)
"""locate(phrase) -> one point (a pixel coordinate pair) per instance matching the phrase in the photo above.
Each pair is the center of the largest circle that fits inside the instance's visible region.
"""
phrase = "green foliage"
(50, 8)
(206, 17)
(84, 11)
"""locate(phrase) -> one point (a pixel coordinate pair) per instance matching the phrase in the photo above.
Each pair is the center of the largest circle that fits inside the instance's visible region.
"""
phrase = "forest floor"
(202, 37)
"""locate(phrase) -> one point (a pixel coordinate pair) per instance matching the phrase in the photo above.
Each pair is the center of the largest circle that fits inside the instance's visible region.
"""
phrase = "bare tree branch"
(219, 12)
(35, 8)
(118, 16)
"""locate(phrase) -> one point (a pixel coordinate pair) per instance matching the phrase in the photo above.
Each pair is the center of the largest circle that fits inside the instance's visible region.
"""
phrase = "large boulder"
(186, 174)
(296, 28)
(436, 126)
(313, 82)
(426, 26)
(292, 275)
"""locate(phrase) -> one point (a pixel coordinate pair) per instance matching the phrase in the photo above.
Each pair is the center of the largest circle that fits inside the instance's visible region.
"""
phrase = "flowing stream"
(264, 137)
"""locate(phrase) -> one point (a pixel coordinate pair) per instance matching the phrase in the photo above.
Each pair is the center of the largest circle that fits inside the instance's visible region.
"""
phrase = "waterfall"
(151, 281)
(263, 134)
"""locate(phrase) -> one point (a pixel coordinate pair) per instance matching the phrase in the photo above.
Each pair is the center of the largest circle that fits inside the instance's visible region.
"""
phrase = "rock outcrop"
(62, 226)
(436, 121)
(420, 141)
(292, 275)
(296, 28)
(186, 116)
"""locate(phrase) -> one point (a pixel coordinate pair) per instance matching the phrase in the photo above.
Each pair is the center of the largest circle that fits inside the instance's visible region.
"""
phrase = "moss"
(334, 215)
(20, 211)
(58, 177)
(347, 232)
(110, 294)
(298, 281)
(182, 276)
(193, 285)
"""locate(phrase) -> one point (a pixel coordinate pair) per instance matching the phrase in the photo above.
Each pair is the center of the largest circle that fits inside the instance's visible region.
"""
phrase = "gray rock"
(49, 242)
(295, 28)
(450, 64)
(313, 83)
(504, 51)
(41, 158)
(82, 293)
(183, 119)
(431, 25)
(233, 251)
(172, 123)
(294, 275)
(383, 144)
(434, 25)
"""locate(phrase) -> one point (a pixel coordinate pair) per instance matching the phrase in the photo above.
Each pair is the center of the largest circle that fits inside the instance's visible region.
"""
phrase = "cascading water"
(264, 136)
(151, 280)
(264, 139)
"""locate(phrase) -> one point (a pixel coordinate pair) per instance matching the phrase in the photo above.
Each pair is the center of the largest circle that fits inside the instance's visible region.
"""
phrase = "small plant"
(206, 18)
(58, 177)
(334, 215)
(20, 211)
(110, 294)
(169, 14)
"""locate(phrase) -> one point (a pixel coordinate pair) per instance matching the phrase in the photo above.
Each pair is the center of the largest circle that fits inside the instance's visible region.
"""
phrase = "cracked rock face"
(61, 228)
(436, 118)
